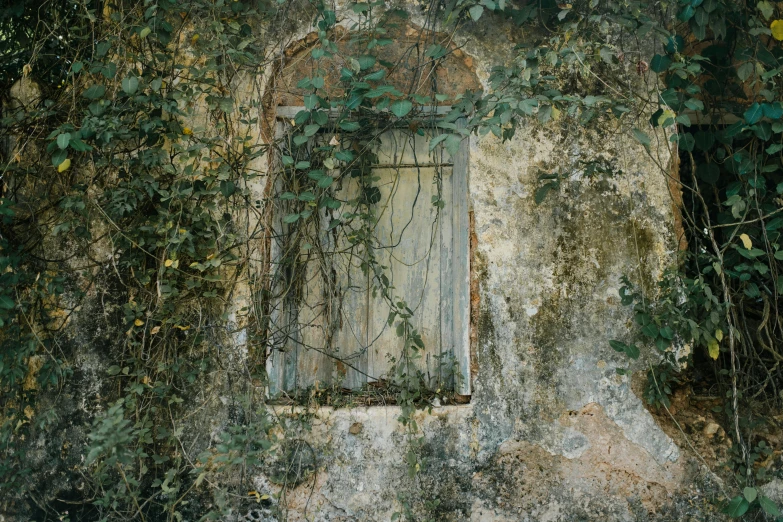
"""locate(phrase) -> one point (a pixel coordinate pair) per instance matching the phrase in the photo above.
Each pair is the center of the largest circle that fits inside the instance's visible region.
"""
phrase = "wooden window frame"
(454, 269)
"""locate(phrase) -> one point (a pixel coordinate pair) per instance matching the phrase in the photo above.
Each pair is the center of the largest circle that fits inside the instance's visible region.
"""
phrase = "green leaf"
(528, 105)
(226, 104)
(436, 51)
(436, 140)
(366, 61)
(542, 191)
(145, 32)
(545, 113)
(227, 188)
(311, 129)
(641, 137)
(344, 155)
(769, 506)
(452, 144)
(76, 67)
(774, 224)
(94, 92)
(702, 17)
(773, 111)
(63, 140)
(79, 146)
(753, 114)
(476, 11)
(766, 8)
(650, 330)
(737, 507)
(58, 157)
(710, 6)
(686, 141)
(291, 218)
(6, 302)
(667, 332)
(310, 101)
(349, 126)
(606, 55)
(377, 75)
(618, 346)
(686, 13)
(694, 104)
(401, 107)
(660, 63)
(632, 351)
(763, 130)
(745, 70)
(749, 493)
(130, 85)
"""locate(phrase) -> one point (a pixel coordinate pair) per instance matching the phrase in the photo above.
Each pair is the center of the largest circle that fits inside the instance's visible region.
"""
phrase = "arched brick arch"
(408, 68)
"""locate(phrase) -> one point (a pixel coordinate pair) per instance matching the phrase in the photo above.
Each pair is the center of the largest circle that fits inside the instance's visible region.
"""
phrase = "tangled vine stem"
(139, 211)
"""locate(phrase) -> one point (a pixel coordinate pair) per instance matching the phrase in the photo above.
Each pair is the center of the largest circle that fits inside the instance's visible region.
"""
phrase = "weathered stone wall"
(552, 432)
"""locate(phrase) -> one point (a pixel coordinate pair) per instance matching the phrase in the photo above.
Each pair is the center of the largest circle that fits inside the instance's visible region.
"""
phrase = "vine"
(130, 175)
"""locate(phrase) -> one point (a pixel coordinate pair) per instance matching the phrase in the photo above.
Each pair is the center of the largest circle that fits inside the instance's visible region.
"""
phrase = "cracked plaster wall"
(552, 432)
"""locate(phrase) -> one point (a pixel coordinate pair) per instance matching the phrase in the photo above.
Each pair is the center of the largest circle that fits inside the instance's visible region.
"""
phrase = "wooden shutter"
(427, 254)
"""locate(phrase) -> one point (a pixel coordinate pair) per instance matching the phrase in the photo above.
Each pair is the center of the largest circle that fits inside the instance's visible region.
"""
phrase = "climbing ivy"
(128, 174)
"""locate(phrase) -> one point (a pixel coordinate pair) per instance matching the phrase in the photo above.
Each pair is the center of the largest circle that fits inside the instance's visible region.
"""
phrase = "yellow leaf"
(168, 262)
(155, 330)
(714, 349)
(777, 29)
(668, 114)
(187, 131)
(138, 322)
(180, 327)
(746, 242)
(65, 165)
(719, 335)
(555, 113)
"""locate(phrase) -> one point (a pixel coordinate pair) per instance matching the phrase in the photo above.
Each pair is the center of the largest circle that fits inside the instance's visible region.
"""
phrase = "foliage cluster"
(131, 177)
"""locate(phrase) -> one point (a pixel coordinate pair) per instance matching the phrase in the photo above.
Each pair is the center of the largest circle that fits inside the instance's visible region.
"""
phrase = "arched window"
(389, 232)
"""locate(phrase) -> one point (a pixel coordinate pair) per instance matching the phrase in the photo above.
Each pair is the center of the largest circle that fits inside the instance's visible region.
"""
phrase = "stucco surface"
(552, 432)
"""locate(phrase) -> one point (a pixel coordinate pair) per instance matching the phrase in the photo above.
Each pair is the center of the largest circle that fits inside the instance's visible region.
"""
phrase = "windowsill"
(331, 410)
